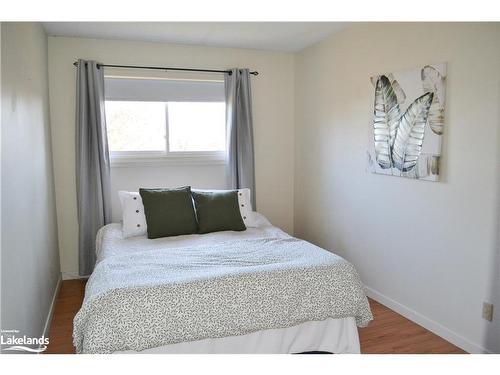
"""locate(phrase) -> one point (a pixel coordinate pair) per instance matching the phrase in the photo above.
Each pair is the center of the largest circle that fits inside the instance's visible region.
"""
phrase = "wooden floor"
(388, 333)
(391, 333)
(68, 303)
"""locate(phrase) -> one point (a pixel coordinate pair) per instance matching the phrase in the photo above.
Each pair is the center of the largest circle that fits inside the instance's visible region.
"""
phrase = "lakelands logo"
(10, 340)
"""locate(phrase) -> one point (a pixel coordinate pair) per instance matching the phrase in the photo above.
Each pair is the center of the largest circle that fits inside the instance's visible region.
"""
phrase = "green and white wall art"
(408, 123)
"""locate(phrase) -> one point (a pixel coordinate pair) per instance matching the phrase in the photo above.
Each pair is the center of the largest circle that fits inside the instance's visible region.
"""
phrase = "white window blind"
(163, 90)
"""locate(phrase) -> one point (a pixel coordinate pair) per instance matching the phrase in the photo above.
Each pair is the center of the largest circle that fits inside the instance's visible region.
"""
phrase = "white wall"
(273, 112)
(0, 173)
(425, 249)
(0, 170)
(29, 258)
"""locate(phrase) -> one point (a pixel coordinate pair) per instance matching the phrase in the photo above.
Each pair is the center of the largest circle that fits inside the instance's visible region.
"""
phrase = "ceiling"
(275, 36)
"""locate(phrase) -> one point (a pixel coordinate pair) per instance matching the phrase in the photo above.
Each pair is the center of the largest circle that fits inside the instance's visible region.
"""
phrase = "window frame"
(151, 158)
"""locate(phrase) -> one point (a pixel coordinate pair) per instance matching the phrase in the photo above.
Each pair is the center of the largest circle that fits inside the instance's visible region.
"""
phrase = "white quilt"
(167, 293)
(110, 240)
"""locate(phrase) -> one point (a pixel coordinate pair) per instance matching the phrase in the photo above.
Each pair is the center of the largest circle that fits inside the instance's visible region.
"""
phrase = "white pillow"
(246, 210)
(261, 220)
(247, 214)
(134, 220)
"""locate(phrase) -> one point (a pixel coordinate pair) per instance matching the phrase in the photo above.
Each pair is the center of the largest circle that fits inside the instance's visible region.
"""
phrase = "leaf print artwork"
(433, 81)
(408, 122)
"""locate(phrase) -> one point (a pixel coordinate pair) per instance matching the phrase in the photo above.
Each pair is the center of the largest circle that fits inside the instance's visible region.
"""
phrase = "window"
(194, 126)
(135, 126)
(165, 120)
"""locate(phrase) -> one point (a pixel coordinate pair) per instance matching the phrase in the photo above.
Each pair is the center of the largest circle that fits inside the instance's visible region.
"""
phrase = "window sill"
(127, 162)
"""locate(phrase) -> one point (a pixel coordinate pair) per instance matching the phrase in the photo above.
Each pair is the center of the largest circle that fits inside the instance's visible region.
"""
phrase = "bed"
(257, 291)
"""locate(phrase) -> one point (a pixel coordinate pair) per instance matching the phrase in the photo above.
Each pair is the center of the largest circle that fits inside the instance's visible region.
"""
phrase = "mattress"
(219, 292)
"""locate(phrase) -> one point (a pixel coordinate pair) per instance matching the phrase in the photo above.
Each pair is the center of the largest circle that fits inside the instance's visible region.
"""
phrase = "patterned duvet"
(164, 296)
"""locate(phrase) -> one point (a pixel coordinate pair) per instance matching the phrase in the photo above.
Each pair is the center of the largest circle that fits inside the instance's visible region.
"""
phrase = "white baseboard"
(427, 323)
(72, 276)
(48, 320)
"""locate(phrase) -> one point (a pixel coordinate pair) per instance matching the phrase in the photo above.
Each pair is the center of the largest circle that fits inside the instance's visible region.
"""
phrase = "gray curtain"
(240, 170)
(92, 162)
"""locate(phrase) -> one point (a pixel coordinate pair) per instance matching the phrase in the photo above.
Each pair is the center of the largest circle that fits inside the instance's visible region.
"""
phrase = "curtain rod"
(255, 73)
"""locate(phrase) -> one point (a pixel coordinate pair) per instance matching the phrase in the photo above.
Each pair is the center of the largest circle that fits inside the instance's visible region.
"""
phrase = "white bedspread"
(110, 241)
(150, 293)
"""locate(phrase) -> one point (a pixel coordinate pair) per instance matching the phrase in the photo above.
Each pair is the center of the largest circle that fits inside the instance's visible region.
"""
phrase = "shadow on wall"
(492, 336)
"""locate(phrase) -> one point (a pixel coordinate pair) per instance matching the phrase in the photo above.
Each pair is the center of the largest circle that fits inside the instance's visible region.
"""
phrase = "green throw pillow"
(218, 211)
(169, 212)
